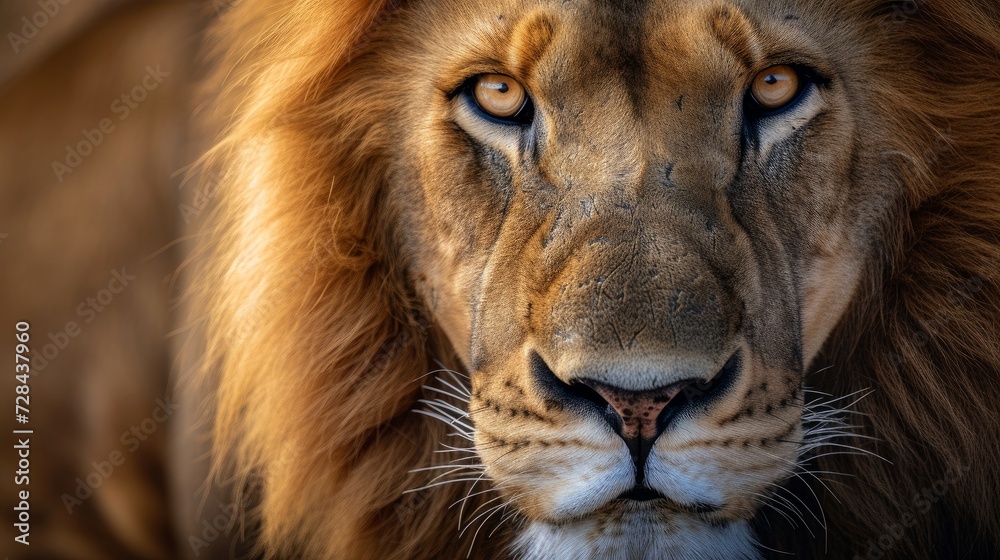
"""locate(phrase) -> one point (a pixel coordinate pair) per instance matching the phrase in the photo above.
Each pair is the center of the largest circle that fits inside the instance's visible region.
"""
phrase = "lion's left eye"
(501, 97)
(775, 87)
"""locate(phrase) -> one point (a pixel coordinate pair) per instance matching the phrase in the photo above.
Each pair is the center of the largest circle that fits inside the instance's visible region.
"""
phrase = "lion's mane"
(317, 349)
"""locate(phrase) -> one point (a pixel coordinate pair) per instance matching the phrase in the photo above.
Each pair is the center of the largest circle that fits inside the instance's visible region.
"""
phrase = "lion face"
(636, 224)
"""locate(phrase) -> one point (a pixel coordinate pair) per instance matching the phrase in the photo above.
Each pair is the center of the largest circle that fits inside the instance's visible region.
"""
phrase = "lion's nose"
(639, 417)
(639, 412)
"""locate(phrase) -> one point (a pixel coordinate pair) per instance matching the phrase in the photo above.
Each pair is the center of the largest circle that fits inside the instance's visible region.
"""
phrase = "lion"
(564, 280)
(698, 279)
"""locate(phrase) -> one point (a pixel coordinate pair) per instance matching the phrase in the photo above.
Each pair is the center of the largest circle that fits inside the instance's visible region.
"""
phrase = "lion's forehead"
(638, 63)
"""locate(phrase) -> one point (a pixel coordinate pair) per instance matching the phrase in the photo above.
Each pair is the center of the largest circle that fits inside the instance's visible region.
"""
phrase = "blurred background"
(99, 123)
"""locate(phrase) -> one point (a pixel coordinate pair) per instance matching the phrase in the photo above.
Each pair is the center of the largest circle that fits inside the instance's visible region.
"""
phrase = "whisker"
(458, 387)
(461, 510)
(503, 520)
(449, 394)
(479, 508)
(469, 496)
(502, 507)
(858, 450)
(446, 420)
(449, 466)
(436, 484)
(766, 501)
(447, 410)
(822, 522)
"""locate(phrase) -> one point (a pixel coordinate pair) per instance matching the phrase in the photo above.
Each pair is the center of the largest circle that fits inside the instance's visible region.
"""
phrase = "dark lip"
(645, 494)
(642, 494)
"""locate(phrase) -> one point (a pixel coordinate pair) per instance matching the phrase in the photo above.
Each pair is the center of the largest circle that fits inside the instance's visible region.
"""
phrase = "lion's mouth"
(641, 494)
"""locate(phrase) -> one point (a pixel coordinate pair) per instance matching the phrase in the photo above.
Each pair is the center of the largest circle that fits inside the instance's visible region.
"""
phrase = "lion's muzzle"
(638, 417)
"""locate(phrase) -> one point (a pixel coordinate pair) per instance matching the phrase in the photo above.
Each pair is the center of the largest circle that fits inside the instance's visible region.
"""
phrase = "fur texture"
(322, 326)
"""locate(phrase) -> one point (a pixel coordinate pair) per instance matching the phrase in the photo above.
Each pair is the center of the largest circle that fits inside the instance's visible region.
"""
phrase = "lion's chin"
(639, 533)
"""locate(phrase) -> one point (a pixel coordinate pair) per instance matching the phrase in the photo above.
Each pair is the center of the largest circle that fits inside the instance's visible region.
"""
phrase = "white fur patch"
(775, 129)
(640, 534)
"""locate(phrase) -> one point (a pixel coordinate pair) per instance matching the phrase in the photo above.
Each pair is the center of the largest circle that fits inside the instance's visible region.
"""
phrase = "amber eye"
(499, 96)
(775, 87)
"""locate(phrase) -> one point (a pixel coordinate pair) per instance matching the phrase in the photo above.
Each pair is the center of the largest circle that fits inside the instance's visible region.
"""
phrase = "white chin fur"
(638, 535)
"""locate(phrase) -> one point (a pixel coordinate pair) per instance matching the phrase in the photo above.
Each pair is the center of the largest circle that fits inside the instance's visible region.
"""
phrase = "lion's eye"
(501, 97)
(775, 87)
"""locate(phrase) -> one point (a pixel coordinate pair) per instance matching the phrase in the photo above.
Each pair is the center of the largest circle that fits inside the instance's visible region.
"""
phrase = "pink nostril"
(638, 410)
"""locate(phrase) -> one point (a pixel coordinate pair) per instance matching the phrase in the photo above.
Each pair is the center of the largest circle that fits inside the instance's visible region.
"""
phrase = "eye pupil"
(771, 80)
(504, 88)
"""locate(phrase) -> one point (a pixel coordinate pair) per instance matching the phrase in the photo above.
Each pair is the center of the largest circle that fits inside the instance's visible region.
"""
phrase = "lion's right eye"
(775, 87)
(501, 97)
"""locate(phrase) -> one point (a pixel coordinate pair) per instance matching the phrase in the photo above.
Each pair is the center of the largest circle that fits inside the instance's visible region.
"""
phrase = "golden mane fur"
(315, 393)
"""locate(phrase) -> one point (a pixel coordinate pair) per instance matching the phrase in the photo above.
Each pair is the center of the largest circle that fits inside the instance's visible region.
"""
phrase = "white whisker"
(462, 398)
(442, 483)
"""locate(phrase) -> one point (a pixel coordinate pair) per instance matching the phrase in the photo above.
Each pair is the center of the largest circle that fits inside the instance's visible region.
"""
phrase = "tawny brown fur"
(318, 337)
(318, 396)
